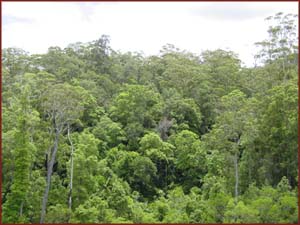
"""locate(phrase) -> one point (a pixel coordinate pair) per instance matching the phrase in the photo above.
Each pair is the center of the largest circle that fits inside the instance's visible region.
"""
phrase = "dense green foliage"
(173, 138)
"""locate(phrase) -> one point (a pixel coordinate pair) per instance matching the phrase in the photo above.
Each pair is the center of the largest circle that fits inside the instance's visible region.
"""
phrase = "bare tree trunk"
(236, 191)
(71, 172)
(49, 174)
(283, 69)
(21, 209)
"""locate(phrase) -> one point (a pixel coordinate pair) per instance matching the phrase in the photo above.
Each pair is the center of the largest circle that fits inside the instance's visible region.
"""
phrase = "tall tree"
(62, 106)
(281, 47)
(23, 156)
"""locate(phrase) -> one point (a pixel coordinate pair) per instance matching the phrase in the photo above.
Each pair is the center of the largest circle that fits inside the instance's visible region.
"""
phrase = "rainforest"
(94, 135)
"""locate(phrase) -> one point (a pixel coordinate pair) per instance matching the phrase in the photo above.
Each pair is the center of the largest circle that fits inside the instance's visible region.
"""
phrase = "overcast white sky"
(141, 26)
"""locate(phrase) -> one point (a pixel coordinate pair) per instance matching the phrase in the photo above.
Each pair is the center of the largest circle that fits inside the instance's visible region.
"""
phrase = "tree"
(138, 171)
(85, 168)
(181, 71)
(237, 213)
(162, 155)
(97, 55)
(22, 154)
(182, 111)
(189, 158)
(60, 111)
(230, 129)
(15, 61)
(63, 66)
(111, 133)
(177, 202)
(278, 133)
(93, 210)
(222, 67)
(137, 108)
(281, 46)
(232, 123)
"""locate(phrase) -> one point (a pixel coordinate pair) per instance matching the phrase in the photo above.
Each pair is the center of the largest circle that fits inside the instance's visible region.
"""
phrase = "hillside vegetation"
(93, 135)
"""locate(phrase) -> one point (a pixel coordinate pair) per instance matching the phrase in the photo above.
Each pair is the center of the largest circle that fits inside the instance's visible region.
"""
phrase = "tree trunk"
(236, 191)
(21, 209)
(49, 174)
(71, 172)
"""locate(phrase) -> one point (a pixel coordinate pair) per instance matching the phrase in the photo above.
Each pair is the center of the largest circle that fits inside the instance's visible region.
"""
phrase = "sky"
(141, 26)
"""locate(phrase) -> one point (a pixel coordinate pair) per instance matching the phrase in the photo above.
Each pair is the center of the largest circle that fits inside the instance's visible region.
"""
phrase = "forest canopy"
(93, 135)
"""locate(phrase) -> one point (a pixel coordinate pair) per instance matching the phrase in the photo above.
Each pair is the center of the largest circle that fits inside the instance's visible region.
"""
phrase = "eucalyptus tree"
(62, 105)
(281, 47)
